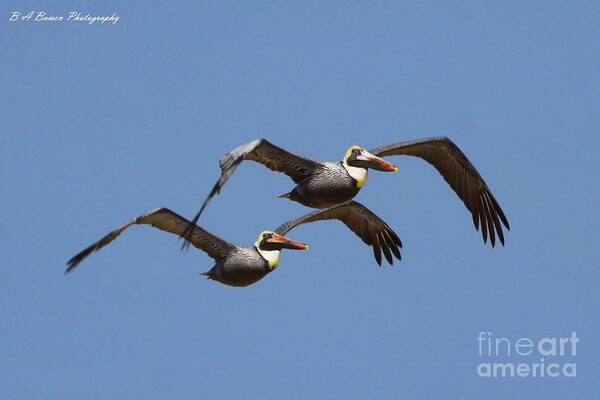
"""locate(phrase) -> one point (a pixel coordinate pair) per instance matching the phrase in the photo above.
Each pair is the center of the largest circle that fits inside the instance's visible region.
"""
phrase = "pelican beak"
(287, 243)
(371, 161)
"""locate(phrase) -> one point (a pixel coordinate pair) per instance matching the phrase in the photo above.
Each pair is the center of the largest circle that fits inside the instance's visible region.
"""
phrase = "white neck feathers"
(359, 174)
(271, 256)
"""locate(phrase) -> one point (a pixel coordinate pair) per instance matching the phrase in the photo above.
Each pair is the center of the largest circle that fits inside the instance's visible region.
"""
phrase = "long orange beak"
(376, 162)
(289, 243)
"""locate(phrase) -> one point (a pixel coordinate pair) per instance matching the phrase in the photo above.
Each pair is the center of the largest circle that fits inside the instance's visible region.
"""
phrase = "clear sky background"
(102, 123)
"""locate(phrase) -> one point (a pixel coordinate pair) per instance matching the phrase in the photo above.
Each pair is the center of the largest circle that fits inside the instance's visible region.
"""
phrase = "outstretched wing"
(462, 177)
(166, 220)
(261, 151)
(362, 221)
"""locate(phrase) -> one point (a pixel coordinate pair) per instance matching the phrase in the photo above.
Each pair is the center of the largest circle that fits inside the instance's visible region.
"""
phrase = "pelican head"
(270, 241)
(356, 156)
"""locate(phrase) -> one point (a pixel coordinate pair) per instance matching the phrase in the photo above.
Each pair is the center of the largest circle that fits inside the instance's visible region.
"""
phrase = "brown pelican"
(244, 265)
(323, 184)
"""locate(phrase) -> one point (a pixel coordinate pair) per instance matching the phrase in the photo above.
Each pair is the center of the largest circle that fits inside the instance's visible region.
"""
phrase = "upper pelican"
(244, 265)
(323, 184)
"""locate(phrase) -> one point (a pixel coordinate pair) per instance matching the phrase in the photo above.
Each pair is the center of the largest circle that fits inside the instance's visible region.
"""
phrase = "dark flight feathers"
(362, 221)
(166, 220)
(462, 177)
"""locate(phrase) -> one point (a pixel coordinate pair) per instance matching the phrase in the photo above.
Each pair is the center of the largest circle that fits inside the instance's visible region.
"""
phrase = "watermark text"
(71, 16)
(539, 357)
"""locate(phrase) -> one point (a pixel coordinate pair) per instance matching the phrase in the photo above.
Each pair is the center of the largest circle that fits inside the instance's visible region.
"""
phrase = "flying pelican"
(244, 265)
(324, 184)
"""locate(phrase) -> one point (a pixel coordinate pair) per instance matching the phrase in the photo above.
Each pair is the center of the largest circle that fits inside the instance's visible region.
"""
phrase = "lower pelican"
(245, 265)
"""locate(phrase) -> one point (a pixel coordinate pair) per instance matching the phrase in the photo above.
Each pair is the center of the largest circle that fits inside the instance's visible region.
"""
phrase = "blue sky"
(102, 123)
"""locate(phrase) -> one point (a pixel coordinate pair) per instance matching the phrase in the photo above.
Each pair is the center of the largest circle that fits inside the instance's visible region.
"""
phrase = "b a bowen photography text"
(71, 16)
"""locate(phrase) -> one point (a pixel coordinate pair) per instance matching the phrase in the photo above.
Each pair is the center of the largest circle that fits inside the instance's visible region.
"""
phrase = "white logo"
(72, 16)
(543, 357)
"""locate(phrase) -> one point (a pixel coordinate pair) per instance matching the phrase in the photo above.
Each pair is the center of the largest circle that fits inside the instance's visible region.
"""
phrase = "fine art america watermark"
(535, 358)
(71, 16)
